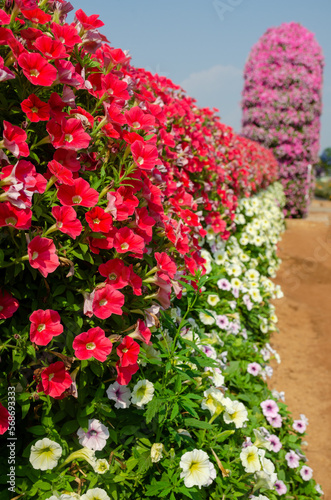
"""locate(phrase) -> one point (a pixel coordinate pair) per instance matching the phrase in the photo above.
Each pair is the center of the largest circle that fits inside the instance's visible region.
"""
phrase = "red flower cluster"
(122, 162)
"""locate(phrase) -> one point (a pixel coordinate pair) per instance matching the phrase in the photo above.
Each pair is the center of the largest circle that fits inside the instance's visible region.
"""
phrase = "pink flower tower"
(281, 103)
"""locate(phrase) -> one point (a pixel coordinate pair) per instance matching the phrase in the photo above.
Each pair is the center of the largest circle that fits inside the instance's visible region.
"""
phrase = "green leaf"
(223, 436)
(175, 411)
(37, 430)
(199, 424)
(69, 427)
(152, 408)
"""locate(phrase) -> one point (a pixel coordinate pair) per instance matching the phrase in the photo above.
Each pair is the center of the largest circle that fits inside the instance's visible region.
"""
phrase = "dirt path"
(304, 341)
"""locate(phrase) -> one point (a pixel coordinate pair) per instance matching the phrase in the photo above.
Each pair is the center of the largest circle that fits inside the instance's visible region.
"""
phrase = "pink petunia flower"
(92, 344)
(107, 301)
(55, 380)
(292, 459)
(306, 473)
(95, 438)
(42, 255)
(254, 368)
(275, 443)
(269, 408)
(8, 304)
(280, 487)
(45, 324)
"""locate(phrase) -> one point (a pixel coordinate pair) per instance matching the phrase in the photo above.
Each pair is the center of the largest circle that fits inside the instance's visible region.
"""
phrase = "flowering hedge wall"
(282, 106)
(118, 207)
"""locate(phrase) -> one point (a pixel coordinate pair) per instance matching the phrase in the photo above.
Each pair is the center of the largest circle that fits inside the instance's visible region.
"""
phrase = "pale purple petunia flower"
(306, 473)
(292, 459)
(254, 369)
(224, 284)
(276, 445)
(121, 394)
(299, 426)
(280, 487)
(234, 327)
(269, 408)
(222, 321)
(96, 436)
(275, 421)
(209, 351)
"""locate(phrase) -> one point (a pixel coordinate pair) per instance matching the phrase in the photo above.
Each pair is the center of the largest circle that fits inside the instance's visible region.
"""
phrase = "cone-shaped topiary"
(282, 105)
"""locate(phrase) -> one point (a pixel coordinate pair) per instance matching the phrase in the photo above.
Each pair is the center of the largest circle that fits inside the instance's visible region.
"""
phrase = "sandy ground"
(304, 341)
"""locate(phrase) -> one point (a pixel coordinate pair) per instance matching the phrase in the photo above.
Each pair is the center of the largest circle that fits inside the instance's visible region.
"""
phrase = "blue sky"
(203, 44)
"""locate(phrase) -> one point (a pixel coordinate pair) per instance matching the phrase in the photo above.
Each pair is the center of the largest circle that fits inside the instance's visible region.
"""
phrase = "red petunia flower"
(138, 120)
(92, 344)
(24, 180)
(190, 218)
(12, 216)
(125, 373)
(99, 220)
(70, 134)
(144, 155)
(30, 35)
(35, 109)
(51, 49)
(126, 240)
(8, 304)
(14, 139)
(166, 267)
(42, 255)
(4, 17)
(135, 282)
(104, 243)
(66, 221)
(144, 224)
(88, 22)
(62, 173)
(114, 113)
(66, 34)
(116, 272)
(4, 419)
(45, 324)
(128, 351)
(80, 193)
(84, 116)
(115, 88)
(36, 16)
(121, 203)
(107, 301)
(37, 70)
(67, 74)
(67, 158)
(141, 332)
(5, 73)
(55, 379)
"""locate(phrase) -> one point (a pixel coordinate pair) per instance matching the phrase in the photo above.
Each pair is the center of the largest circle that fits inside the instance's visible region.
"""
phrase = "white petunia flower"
(142, 393)
(197, 469)
(238, 415)
(207, 318)
(216, 402)
(157, 452)
(252, 275)
(45, 454)
(101, 466)
(250, 459)
(95, 494)
(213, 300)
